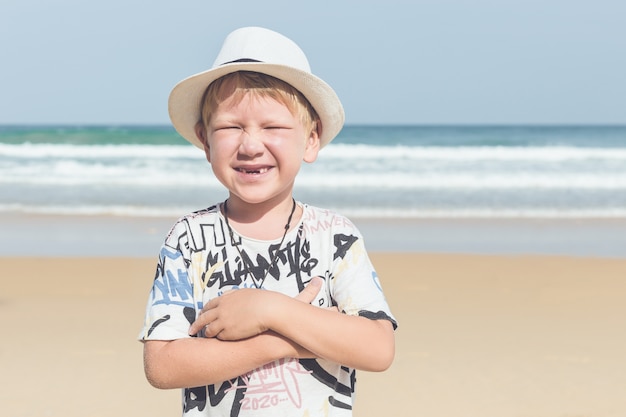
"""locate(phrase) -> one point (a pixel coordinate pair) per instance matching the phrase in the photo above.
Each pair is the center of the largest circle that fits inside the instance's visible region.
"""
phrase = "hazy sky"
(413, 62)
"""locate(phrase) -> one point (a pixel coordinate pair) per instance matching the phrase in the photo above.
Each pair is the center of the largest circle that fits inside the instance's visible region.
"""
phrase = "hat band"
(241, 60)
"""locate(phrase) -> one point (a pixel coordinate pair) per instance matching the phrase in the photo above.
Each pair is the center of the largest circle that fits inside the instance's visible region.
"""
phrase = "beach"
(525, 322)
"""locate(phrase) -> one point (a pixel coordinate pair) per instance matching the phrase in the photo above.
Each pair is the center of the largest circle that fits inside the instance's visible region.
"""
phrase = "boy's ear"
(201, 134)
(312, 147)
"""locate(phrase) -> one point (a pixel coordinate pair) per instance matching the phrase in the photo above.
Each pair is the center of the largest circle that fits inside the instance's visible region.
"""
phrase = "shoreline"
(97, 235)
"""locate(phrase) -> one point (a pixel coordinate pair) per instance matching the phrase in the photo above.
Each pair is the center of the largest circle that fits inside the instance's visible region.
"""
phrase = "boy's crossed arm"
(248, 328)
(353, 341)
(199, 361)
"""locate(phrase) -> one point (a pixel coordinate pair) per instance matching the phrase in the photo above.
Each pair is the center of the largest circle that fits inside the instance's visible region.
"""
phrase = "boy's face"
(256, 147)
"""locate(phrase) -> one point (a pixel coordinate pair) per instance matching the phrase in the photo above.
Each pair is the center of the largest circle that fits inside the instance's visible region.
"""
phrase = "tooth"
(253, 171)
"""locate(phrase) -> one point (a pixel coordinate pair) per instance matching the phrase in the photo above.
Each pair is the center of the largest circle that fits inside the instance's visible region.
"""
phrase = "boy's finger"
(204, 319)
(309, 292)
(212, 329)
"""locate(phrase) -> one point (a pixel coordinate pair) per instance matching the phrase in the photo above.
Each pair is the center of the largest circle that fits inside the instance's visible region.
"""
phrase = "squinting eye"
(227, 128)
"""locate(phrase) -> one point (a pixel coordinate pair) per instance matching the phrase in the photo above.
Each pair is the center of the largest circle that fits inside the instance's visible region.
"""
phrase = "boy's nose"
(251, 144)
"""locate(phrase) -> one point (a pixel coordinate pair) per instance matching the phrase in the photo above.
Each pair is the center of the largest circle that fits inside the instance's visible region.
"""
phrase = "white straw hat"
(258, 50)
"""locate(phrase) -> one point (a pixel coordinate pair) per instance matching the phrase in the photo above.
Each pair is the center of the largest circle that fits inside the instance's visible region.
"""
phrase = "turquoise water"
(368, 171)
(427, 136)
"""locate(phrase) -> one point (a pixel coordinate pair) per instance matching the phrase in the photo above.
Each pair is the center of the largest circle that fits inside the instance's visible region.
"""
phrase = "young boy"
(308, 308)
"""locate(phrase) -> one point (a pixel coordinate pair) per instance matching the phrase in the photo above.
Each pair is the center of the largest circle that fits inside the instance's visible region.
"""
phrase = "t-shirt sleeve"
(355, 286)
(171, 303)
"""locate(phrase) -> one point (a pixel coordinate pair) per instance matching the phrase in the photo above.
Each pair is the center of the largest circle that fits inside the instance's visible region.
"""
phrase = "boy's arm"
(353, 341)
(198, 361)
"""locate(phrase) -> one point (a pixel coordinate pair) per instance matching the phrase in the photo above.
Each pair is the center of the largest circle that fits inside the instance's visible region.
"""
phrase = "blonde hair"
(240, 83)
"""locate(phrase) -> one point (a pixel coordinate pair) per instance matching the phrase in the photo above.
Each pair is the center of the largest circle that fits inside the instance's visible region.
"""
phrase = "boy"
(308, 308)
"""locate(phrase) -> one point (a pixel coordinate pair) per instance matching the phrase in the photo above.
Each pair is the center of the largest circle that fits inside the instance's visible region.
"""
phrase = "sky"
(82, 62)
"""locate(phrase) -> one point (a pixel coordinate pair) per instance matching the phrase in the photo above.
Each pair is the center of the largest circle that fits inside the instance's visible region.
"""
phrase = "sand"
(480, 335)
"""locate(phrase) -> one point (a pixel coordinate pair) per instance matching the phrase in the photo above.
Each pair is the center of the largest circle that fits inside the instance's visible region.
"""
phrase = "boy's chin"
(261, 199)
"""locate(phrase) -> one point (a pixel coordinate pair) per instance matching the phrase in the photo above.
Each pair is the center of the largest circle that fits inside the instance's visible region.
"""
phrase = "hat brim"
(184, 102)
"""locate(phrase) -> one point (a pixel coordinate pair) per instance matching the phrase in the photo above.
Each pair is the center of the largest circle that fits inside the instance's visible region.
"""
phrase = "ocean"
(367, 172)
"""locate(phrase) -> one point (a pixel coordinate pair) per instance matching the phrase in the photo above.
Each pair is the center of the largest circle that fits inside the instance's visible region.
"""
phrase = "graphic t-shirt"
(200, 261)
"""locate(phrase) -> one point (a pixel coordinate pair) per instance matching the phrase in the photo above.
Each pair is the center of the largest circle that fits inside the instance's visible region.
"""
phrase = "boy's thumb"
(311, 290)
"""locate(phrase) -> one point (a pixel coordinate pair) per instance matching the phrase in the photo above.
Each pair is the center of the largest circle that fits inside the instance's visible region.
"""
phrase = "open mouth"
(253, 170)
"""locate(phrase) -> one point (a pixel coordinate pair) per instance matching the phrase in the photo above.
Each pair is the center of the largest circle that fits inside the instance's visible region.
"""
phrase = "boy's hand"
(239, 314)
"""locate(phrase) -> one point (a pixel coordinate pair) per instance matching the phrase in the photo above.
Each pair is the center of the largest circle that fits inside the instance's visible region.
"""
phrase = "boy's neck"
(261, 221)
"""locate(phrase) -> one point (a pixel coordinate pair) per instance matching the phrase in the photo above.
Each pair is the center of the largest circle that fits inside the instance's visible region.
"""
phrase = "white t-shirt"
(198, 262)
